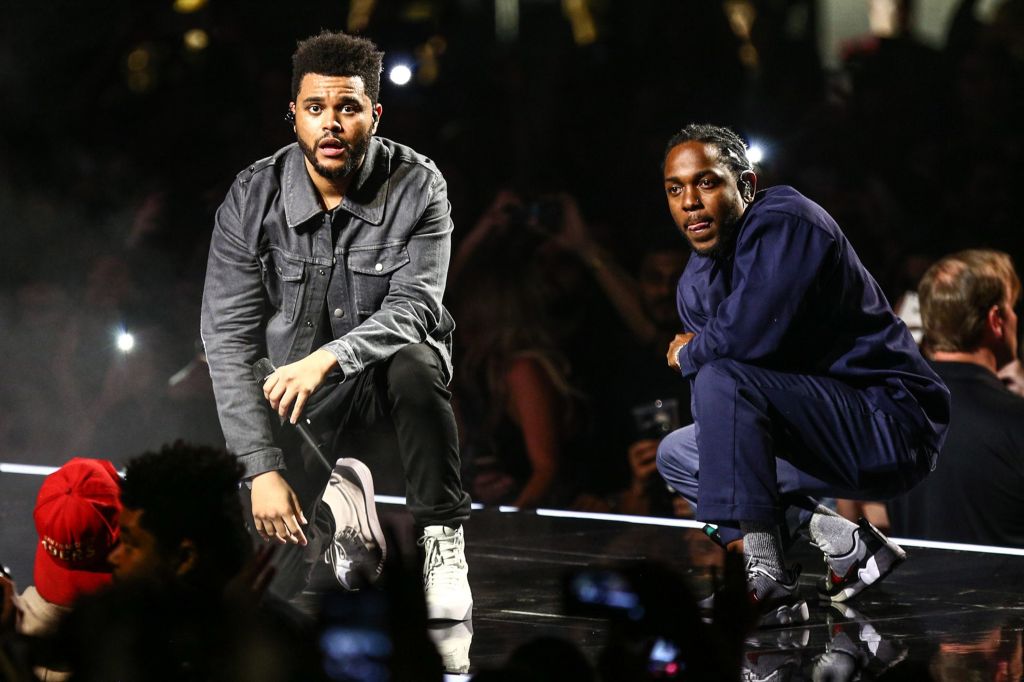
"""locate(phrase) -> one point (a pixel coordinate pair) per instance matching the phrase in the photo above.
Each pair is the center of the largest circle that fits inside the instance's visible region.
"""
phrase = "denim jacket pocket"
(371, 274)
(282, 279)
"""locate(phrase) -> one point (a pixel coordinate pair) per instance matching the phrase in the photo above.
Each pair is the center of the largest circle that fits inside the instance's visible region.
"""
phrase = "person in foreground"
(331, 257)
(201, 545)
(804, 381)
(76, 518)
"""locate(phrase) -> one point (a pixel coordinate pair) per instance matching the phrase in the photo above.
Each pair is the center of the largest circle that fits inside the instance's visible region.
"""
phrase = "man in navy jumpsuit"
(804, 381)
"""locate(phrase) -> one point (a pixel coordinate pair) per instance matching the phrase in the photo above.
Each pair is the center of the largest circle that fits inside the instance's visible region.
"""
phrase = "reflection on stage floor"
(945, 614)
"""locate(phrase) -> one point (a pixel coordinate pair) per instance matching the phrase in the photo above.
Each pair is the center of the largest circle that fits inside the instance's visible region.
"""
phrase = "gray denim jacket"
(271, 259)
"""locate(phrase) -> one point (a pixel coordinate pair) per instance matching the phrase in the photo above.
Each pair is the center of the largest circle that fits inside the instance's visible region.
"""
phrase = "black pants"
(407, 391)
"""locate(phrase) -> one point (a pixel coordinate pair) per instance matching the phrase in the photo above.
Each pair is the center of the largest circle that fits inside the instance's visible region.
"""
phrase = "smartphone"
(664, 661)
(611, 594)
(602, 592)
(354, 636)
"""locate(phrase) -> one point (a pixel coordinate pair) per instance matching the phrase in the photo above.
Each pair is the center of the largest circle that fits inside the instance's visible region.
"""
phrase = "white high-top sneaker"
(357, 550)
(445, 574)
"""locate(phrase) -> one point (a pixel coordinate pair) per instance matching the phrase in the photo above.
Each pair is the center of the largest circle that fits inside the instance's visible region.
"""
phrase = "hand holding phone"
(7, 608)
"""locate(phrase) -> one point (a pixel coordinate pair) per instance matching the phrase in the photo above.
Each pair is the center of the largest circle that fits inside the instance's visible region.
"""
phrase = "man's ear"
(748, 185)
(188, 557)
(376, 112)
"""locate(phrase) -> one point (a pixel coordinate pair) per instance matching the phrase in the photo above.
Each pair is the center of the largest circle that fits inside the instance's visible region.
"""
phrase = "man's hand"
(492, 487)
(574, 234)
(276, 512)
(643, 460)
(673, 349)
(1012, 376)
(7, 609)
(288, 388)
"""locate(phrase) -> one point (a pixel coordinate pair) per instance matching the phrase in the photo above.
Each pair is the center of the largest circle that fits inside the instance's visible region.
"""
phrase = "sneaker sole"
(446, 612)
(365, 480)
(872, 574)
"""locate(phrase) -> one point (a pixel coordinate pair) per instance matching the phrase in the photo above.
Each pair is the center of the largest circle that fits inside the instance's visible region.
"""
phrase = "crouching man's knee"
(677, 453)
(415, 374)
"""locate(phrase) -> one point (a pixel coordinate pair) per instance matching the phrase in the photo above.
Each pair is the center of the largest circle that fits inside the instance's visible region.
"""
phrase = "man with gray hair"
(970, 333)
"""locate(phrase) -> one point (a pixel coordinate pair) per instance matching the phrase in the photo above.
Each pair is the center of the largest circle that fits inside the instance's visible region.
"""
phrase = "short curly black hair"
(338, 54)
(191, 492)
(732, 151)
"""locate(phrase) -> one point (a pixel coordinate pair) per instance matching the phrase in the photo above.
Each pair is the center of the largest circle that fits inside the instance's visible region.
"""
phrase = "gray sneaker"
(357, 551)
(776, 601)
(872, 558)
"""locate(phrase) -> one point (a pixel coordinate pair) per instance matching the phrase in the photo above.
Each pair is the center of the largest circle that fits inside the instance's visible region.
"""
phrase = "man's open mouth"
(333, 147)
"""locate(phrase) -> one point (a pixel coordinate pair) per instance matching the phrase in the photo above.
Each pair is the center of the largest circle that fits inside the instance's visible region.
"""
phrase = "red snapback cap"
(76, 517)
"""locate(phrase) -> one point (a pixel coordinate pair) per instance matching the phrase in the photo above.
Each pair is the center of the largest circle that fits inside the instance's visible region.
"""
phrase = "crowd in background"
(565, 261)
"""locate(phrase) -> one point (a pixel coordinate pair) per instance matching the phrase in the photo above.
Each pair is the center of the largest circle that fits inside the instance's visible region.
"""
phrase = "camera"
(637, 632)
(546, 213)
(656, 419)
(543, 214)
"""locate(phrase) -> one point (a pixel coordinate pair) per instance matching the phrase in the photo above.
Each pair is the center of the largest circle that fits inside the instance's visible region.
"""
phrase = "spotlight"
(125, 342)
(188, 6)
(400, 74)
(755, 153)
(197, 39)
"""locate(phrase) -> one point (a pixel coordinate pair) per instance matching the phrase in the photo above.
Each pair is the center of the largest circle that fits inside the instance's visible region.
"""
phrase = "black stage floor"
(944, 614)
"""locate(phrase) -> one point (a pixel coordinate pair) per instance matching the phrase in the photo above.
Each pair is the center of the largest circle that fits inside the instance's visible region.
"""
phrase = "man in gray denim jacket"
(330, 257)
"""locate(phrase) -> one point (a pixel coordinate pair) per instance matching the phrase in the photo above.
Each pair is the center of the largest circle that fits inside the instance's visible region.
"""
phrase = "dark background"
(118, 142)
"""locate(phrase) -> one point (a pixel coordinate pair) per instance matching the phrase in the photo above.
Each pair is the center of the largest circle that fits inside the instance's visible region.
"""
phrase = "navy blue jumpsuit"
(805, 382)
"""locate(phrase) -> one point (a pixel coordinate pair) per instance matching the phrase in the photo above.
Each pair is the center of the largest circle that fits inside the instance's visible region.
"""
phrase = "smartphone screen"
(603, 592)
(663, 661)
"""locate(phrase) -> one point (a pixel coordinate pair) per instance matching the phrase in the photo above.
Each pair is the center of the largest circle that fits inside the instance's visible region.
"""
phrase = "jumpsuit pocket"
(372, 270)
(282, 280)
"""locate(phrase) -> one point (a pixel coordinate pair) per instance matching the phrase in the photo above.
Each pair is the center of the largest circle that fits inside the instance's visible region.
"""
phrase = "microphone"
(261, 370)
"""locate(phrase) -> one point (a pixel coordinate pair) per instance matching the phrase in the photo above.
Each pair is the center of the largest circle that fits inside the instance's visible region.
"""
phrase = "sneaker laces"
(756, 567)
(445, 560)
(348, 546)
(759, 570)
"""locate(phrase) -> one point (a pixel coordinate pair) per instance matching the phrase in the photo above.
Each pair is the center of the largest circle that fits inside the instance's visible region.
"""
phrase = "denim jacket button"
(378, 267)
(323, 272)
(338, 312)
(308, 323)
